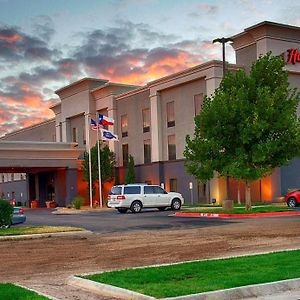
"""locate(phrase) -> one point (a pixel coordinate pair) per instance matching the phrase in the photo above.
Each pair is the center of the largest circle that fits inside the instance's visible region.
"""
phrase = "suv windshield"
(116, 190)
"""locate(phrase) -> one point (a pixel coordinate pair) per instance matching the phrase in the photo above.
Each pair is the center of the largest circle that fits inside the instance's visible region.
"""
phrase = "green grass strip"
(202, 276)
(239, 210)
(36, 230)
(11, 291)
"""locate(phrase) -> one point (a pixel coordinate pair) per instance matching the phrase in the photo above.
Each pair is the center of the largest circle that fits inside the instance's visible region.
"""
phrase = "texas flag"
(108, 136)
(104, 120)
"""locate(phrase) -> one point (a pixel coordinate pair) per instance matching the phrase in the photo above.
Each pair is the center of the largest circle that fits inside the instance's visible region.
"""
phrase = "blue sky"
(45, 45)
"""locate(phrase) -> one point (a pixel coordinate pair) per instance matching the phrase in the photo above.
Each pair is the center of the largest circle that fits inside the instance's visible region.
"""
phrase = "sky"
(45, 45)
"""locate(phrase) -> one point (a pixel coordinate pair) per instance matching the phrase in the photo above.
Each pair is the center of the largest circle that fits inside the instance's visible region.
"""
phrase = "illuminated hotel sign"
(293, 56)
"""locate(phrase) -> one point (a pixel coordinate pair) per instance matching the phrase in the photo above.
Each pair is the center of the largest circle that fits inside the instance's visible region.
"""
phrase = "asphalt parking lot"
(110, 221)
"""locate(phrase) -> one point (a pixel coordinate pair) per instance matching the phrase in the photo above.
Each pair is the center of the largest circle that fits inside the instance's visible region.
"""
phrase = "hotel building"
(42, 161)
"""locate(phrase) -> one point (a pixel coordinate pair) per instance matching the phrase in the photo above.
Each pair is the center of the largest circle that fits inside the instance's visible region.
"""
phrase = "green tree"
(6, 211)
(107, 161)
(130, 176)
(248, 127)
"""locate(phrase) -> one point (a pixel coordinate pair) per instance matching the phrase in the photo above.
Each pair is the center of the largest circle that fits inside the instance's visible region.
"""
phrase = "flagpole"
(90, 164)
(99, 163)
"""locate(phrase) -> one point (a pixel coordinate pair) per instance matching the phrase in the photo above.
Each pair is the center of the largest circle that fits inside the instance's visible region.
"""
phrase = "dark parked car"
(18, 216)
(293, 198)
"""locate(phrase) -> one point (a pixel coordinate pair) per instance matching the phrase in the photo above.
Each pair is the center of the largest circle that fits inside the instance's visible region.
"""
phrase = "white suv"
(137, 196)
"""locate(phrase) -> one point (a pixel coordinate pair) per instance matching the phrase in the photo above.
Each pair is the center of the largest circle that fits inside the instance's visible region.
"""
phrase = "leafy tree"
(6, 211)
(248, 127)
(107, 161)
(130, 176)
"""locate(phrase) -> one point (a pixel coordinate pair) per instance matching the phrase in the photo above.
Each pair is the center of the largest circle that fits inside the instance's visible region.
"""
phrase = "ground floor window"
(173, 185)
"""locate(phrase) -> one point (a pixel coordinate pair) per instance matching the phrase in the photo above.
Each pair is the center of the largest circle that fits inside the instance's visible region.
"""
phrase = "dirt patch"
(45, 264)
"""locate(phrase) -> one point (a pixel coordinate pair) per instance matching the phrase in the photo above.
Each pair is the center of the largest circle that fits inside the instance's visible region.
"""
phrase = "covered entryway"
(51, 169)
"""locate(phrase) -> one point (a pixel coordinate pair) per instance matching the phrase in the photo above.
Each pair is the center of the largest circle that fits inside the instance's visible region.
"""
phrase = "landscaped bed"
(11, 291)
(239, 210)
(202, 276)
(37, 230)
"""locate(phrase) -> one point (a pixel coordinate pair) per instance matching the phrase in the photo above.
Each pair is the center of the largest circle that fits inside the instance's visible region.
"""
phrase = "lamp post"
(223, 41)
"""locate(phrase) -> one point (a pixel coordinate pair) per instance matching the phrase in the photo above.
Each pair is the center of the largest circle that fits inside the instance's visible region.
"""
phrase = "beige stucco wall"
(133, 106)
(183, 97)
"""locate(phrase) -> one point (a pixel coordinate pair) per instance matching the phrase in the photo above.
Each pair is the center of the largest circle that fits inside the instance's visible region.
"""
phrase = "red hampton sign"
(293, 56)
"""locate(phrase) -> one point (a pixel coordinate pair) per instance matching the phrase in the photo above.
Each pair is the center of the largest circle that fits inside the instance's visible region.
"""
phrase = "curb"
(236, 216)
(39, 293)
(255, 290)
(42, 235)
(105, 289)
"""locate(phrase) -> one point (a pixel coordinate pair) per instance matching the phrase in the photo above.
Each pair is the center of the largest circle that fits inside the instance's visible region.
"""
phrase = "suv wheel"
(292, 202)
(176, 204)
(136, 207)
(122, 210)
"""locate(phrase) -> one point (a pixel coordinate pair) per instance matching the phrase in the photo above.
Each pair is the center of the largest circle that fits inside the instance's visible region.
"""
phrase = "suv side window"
(149, 190)
(159, 190)
(132, 190)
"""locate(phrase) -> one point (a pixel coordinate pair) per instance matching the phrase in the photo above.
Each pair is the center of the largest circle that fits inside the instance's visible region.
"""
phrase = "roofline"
(174, 75)
(79, 81)
(27, 128)
(113, 84)
(265, 23)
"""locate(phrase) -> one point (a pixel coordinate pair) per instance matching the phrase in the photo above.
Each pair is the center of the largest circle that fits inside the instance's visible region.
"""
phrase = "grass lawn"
(11, 291)
(202, 276)
(239, 210)
(36, 229)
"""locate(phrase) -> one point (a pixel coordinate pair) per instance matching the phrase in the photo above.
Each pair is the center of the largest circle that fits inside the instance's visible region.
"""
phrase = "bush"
(6, 211)
(77, 201)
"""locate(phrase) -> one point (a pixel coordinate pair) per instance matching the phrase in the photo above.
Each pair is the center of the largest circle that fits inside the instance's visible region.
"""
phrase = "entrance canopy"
(32, 157)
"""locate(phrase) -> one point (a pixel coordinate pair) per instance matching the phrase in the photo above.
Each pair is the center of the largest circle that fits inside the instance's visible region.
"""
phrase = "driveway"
(110, 221)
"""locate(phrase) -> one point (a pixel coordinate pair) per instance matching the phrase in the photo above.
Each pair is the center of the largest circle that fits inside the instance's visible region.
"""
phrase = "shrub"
(77, 201)
(6, 211)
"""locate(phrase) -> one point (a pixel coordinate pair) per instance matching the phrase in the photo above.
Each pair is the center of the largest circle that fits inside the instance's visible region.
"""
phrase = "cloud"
(128, 53)
(43, 27)
(16, 46)
(204, 9)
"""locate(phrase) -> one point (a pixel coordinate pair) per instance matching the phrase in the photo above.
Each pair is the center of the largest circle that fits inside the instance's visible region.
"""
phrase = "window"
(173, 185)
(170, 114)
(198, 100)
(146, 120)
(124, 125)
(147, 152)
(153, 190)
(125, 154)
(132, 190)
(116, 190)
(74, 135)
(171, 147)
(12, 177)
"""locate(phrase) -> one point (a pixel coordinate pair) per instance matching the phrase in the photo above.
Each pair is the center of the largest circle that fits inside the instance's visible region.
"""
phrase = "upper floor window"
(198, 100)
(146, 120)
(147, 151)
(170, 114)
(74, 135)
(171, 147)
(124, 125)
